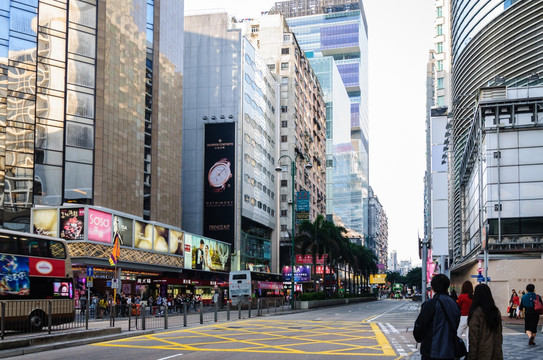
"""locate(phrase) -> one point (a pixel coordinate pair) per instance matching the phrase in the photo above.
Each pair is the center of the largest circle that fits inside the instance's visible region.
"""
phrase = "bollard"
(166, 310)
(250, 303)
(257, 307)
(184, 314)
(201, 313)
(275, 305)
(87, 311)
(228, 311)
(2, 319)
(268, 306)
(143, 319)
(239, 310)
(49, 315)
(130, 307)
(216, 309)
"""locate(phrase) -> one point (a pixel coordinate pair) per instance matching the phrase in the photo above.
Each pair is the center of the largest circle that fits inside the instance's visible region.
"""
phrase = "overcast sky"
(400, 37)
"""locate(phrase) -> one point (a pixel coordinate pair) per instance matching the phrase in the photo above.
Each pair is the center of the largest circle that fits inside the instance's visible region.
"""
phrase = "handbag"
(538, 306)
(508, 309)
(459, 345)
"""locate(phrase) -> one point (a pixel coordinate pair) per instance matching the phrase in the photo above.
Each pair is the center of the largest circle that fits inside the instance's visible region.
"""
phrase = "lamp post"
(293, 175)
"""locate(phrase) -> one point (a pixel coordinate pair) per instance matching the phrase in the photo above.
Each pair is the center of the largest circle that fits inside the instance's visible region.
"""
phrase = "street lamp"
(293, 175)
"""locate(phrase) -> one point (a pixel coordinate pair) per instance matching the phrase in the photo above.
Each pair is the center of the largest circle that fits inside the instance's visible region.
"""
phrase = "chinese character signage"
(308, 259)
(72, 223)
(14, 275)
(219, 181)
(301, 273)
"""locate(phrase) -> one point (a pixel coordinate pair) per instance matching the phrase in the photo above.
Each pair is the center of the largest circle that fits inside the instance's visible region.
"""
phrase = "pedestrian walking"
(464, 303)
(485, 326)
(432, 327)
(514, 302)
(531, 317)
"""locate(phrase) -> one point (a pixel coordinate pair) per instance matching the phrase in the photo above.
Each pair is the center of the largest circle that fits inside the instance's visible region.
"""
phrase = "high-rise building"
(91, 126)
(377, 240)
(493, 137)
(338, 29)
(302, 127)
(230, 141)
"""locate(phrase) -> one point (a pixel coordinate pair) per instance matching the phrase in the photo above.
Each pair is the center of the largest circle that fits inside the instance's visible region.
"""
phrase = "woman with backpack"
(531, 317)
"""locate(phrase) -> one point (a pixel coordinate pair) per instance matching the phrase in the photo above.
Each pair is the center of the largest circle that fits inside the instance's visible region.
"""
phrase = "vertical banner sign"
(302, 206)
(219, 189)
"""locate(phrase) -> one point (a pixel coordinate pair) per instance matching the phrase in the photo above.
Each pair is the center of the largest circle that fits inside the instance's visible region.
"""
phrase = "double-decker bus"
(244, 284)
(35, 276)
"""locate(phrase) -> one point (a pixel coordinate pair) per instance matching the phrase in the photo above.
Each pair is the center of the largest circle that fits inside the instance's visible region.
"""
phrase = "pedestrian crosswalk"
(402, 343)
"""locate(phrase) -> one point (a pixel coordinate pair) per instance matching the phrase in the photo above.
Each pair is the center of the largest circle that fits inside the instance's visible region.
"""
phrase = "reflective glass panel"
(83, 13)
(79, 155)
(81, 43)
(21, 140)
(80, 104)
(49, 137)
(80, 73)
(51, 47)
(20, 110)
(50, 107)
(50, 77)
(52, 17)
(77, 181)
(79, 135)
(47, 185)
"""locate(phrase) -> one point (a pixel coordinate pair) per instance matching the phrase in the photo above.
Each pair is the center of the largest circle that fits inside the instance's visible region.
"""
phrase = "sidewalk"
(515, 342)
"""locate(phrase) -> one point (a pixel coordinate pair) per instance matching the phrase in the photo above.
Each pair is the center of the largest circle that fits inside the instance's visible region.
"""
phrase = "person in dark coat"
(485, 326)
(432, 329)
(531, 317)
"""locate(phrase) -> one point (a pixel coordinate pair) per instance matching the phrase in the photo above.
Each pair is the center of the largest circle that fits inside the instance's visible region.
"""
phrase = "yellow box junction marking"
(347, 338)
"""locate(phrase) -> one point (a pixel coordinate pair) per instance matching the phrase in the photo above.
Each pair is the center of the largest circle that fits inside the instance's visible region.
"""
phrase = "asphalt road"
(373, 330)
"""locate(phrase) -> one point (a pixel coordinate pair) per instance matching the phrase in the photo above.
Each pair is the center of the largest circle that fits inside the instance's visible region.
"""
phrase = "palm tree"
(311, 239)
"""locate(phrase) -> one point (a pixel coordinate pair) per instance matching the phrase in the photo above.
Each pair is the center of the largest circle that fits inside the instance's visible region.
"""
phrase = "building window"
(285, 51)
(440, 83)
(254, 29)
(439, 29)
(286, 37)
(283, 198)
(271, 67)
(439, 47)
(440, 65)
(284, 138)
(439, 12)
(283, 213)
(441, 101)
(283, 228)
(284, 80)
(284, 108)
(284, 66)
(284, 123)
(284, 183)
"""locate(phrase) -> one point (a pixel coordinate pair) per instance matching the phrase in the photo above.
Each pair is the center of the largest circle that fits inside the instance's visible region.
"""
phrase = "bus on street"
(245, 284)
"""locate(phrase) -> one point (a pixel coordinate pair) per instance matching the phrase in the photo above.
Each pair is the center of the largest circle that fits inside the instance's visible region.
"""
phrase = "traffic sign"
(90, 271)
(480, 278)
(115, 284)
(90, 280)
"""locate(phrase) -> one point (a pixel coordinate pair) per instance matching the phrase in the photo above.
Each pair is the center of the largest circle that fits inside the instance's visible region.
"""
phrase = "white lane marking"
(392, 328)
(169, 357)
(394, 308)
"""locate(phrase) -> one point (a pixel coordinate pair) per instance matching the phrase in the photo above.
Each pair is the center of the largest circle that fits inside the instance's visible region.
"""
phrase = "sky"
(400, 37)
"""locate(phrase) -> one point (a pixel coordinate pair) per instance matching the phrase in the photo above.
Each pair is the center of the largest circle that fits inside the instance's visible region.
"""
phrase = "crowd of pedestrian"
(444, 319)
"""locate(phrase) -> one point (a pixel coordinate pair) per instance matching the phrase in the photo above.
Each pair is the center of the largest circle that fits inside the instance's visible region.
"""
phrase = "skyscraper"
(338, 29)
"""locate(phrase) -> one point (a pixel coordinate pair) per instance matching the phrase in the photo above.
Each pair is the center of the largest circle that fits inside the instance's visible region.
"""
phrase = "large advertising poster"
(177, 244)
(123, 226)
(301, 273)
(72, 224)
(100, 226)
(219, 180)
(210, 255)
(143, 234)
(14, 275)
(162, 236)
(45, 222)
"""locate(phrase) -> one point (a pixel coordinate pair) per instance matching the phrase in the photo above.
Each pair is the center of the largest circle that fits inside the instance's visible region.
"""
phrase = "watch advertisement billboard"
(123, 226)
(45, 222)
(99, 226)
(209, 255)
(219, 180)
(72, 224)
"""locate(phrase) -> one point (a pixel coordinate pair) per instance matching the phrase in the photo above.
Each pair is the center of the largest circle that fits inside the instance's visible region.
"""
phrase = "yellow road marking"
(254, 336)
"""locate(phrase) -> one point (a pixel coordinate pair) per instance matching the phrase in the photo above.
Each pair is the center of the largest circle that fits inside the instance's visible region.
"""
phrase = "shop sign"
(45, 222)
(143, 281)
(308, 259)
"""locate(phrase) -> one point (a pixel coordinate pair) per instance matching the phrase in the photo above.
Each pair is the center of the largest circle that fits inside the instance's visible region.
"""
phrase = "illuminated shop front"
(155, 258)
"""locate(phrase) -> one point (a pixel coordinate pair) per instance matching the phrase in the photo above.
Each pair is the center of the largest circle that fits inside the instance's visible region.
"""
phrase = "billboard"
(219, 189)
(45, 222)
(143, 235)
(308, 259)
(301, 273)
(123, 226)
(177, 242)
(100, 226)
(72, 224)
(302, 206)
(378, 279)
(161, 239)
(209, 254)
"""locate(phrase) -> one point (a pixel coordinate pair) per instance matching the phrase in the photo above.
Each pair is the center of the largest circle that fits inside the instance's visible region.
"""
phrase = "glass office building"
(81, 118)
(338, 29)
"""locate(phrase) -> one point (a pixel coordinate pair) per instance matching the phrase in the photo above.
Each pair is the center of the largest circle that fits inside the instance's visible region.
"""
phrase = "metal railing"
(58, 316)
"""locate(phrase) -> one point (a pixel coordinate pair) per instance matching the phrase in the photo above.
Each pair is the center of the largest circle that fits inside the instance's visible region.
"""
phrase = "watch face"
(219, 174)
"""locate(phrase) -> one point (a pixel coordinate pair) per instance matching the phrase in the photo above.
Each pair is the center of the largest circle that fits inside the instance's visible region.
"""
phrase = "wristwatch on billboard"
(219, 174)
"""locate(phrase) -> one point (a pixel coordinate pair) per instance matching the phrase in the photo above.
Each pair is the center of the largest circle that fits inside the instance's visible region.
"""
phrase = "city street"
(373, 330)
